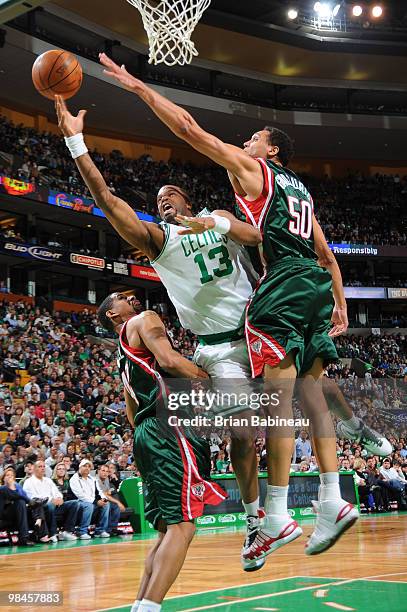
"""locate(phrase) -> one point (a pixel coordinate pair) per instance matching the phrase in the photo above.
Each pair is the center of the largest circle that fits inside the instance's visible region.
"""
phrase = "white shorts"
(229, 367)
(226, 360)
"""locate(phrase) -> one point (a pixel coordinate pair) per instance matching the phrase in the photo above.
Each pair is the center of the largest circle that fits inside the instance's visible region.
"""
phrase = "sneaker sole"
(253, 566)
(279, 543)
(335, 538)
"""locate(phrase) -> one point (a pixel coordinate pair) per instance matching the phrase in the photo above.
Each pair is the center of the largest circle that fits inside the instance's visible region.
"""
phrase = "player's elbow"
(253, 238)
(167, 361)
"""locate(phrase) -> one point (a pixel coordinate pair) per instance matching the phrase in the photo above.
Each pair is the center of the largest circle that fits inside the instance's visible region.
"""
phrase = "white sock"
(353, 422)
(329, 489)
(148, 606)
(252, 507)
(136, 606)
(276, 500)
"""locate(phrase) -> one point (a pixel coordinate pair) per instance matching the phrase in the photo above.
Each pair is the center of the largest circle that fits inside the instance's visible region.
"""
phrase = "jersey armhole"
(166, 237)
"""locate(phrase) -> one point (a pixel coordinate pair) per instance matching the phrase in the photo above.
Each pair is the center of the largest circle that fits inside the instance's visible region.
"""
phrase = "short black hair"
(281, 140)
(106, 305)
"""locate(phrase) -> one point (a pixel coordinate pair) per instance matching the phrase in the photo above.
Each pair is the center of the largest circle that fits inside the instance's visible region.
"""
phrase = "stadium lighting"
(377, 11)
(317, 7)
(336, 10)
(357, 10)
(292, 14)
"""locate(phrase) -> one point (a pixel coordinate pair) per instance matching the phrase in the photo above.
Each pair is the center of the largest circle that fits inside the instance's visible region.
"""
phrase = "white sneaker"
(104, 534)
(275, 531)
(65, 535)
(53, 539)
(333, 519)
(85, 536)
(253, 526)
(370, 439)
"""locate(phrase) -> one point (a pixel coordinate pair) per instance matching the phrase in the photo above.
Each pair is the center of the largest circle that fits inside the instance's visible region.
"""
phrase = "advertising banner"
(78, 204)
(118, 267)
(144, 272)
(397, 293)
(30, 251)
(367, 250)
(95, 263)
(365, 293)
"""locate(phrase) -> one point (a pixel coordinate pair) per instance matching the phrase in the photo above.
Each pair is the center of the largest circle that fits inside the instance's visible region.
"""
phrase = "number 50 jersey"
(283, 213)
(208, 278)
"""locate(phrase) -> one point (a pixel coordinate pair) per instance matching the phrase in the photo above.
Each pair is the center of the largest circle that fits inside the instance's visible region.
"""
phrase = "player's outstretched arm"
(239, 163)
(151, 330)
(147, 237)
(327, 260)
(239, 231)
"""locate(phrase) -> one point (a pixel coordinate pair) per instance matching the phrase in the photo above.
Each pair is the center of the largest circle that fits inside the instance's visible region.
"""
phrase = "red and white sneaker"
(333, 519)
(274, 532)
(253, 526)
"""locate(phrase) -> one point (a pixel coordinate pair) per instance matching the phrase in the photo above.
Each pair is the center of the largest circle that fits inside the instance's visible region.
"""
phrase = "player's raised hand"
(339, 321)
(68, 123)
(120, 74)
(195, 225)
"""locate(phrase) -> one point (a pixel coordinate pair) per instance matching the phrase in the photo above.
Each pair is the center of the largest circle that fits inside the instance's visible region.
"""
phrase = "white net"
(169, 25)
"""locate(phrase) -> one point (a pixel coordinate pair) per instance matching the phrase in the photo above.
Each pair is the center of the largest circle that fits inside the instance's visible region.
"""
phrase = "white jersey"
(208, 277)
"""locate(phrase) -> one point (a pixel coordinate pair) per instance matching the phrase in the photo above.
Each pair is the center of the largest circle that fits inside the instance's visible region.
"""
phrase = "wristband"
(222, 224)
(76, 145)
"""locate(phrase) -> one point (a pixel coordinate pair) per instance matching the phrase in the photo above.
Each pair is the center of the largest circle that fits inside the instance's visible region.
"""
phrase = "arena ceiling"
(114, 110)
(241, 33)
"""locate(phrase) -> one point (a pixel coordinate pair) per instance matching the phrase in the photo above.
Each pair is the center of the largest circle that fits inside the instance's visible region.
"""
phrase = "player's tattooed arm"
(246, 169)
(150, 329)
(327, 260)
(148, 237)
(240, 231)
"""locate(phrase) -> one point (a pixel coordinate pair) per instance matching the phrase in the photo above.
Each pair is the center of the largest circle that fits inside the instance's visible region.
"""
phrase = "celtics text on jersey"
(208, 277)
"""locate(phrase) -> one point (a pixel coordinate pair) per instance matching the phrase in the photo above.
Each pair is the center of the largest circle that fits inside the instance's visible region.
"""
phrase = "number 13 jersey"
(283, 213)
(208, 278)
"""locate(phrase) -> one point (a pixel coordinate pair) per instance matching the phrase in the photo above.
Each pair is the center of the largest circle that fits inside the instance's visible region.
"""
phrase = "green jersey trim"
(166, 229)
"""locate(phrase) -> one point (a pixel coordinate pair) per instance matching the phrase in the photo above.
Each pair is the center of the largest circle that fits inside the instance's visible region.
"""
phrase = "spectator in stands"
(302, 446)
(392, 477)
(373, 494)
(61, 480)
(109, 492)
(92, 505)
(39, 486)
(304, 466)
(13, 506)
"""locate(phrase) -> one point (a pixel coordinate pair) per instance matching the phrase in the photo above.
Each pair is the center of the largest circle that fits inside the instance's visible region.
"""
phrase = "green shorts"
(291, 310)
(171, 463)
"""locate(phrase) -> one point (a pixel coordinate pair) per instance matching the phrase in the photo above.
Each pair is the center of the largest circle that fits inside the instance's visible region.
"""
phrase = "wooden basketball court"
(365, 572)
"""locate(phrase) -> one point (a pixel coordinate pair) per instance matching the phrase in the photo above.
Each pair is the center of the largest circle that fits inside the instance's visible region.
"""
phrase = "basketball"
(57, 72)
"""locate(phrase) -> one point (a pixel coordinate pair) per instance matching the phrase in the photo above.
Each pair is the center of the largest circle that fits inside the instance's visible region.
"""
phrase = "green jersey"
(142, 381)
(283, 213)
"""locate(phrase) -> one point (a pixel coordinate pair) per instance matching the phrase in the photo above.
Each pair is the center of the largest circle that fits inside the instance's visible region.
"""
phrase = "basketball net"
(169, 25)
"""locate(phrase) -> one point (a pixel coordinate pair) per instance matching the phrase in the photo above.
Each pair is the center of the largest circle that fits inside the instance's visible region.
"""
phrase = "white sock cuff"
(329, 478)
(252, 507)
(146, 605)
(136, 605)
(276, 491)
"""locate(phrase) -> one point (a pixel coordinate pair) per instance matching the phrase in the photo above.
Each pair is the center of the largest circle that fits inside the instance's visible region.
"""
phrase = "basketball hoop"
(169, 25)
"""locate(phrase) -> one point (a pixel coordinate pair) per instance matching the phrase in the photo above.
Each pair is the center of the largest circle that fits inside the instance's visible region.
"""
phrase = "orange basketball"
(57, 72)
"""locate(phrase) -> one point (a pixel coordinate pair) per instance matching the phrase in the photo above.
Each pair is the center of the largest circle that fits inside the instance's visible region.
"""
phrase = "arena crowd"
(69, 417)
